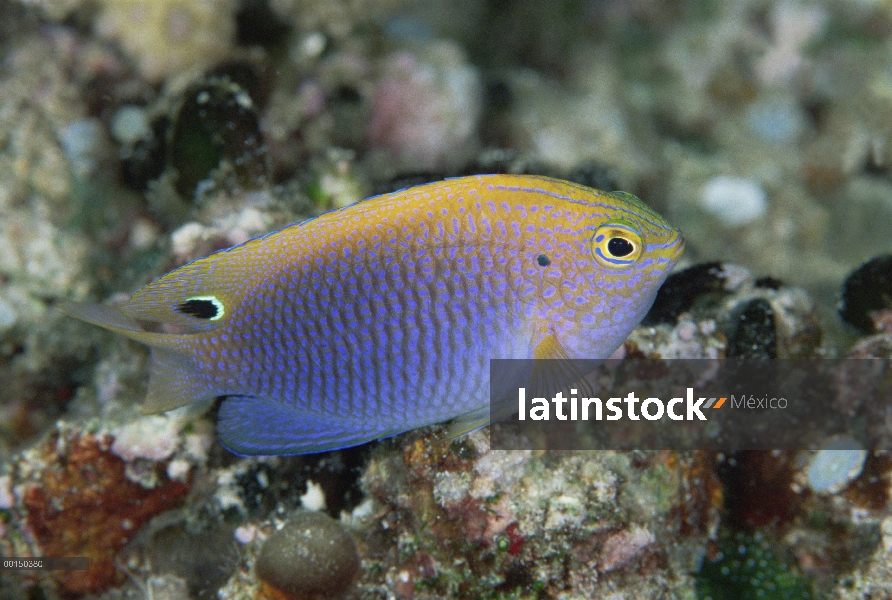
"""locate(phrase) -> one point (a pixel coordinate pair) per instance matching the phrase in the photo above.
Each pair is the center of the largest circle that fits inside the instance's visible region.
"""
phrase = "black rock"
(257, 24)
(682, 289)
(217, 130)
(867, 290)
(769, 283)
(755, 334)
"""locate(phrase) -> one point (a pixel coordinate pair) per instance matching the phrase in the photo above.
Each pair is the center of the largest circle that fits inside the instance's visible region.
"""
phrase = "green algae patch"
(747, 568)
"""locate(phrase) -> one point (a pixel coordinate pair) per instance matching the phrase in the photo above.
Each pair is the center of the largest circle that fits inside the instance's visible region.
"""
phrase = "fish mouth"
(677, 246)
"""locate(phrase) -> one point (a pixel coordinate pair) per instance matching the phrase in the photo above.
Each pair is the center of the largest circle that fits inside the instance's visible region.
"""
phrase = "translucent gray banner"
(720, 405)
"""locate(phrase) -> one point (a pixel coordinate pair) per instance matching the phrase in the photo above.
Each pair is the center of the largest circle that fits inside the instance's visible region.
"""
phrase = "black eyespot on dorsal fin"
(200, 308)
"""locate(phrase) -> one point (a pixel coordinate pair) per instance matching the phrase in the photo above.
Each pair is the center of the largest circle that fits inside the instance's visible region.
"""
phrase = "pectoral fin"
(555, 371)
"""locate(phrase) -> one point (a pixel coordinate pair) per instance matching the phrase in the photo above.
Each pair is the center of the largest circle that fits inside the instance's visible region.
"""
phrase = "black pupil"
(620, 247)
(201, 309)
(543, 260)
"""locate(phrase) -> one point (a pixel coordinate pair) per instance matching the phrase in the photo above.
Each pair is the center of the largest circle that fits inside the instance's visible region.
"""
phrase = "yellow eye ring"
(616, 245)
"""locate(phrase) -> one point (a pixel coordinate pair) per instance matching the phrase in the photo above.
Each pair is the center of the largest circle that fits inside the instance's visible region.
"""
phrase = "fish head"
(631, 246)
(624, 251)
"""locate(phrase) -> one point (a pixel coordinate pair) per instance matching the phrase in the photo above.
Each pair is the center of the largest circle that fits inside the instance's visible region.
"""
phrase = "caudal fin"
(109, 316)
(103, 315)
(174, 381)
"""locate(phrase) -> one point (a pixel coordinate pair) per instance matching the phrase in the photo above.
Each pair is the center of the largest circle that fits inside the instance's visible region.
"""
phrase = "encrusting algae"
(325, 334)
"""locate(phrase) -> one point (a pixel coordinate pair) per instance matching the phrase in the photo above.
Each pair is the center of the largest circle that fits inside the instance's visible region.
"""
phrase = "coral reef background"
(136, 135)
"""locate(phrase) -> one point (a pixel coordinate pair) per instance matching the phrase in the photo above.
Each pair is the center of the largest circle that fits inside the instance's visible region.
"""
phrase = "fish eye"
(202, 307)
(617, 245)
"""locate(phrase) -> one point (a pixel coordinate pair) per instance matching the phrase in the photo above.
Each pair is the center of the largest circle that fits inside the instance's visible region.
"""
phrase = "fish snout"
(678, 246)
